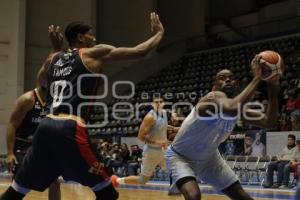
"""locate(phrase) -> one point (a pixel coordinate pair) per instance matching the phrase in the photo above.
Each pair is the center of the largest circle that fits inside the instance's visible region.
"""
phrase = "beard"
(291, 146)
(228, 90)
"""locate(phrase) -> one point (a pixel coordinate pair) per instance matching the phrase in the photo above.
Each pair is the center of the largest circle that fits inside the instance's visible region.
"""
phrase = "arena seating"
(191, 77)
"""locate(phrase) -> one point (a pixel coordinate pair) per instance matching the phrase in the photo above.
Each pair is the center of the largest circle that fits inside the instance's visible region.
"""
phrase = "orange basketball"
(271, 65)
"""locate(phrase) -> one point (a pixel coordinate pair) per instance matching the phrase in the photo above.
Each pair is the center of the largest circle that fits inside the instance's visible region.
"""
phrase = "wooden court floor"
(77, 192)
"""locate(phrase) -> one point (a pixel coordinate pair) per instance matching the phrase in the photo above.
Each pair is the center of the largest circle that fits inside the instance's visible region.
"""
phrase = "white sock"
(19, 188)
(121, 180)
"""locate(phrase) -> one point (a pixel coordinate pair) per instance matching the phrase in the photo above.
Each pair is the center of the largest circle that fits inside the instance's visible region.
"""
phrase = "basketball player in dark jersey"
(26, 114)
(60, 145)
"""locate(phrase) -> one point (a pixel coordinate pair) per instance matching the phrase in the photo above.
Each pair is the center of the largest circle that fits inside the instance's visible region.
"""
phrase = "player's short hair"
(157, 96)
(248, 135)
(292, 136)
(75, 28)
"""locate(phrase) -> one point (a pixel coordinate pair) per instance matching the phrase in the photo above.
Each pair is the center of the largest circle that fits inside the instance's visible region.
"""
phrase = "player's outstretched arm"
(106, 52)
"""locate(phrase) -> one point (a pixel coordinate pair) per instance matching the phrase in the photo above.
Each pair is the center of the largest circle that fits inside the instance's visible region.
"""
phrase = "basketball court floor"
(152, 191)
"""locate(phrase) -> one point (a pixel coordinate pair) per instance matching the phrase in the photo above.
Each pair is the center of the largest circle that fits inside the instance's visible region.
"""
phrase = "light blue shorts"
(151, 158)
(213, 170)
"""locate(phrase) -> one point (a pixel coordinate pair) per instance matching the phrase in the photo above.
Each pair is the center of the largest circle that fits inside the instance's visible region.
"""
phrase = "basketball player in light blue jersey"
(194, 154)
(153, 131)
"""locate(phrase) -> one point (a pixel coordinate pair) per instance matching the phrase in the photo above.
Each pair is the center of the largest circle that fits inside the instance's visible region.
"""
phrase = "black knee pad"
(184, 180)
(11, 194)
(107, 193)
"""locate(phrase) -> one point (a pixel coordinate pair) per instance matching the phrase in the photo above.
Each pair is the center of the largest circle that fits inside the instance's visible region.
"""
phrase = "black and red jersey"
(32, 119)
(71, 86)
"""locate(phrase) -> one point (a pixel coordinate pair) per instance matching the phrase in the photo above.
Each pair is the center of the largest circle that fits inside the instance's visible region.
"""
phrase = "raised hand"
(56, 37)
(156, 25)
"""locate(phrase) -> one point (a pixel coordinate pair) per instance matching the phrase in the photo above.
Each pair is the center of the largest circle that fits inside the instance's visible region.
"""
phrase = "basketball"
(271, 65)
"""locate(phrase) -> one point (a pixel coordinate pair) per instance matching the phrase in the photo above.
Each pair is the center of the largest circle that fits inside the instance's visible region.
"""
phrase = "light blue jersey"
(154, 155)
(159, 130)
(199, 136)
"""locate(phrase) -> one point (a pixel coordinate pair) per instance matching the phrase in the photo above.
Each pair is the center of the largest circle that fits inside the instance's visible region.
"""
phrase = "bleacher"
(191, 77)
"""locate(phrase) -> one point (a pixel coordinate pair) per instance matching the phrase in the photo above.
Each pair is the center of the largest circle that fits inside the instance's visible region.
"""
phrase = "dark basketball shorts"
(20, 150)
(61, 147)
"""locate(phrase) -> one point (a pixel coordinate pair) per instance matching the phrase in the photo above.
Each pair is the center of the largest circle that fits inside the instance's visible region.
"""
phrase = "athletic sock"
(12, 194)
(121, 181)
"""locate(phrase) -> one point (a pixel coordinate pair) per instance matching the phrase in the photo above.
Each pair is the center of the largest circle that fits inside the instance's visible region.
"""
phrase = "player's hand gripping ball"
(272, 66)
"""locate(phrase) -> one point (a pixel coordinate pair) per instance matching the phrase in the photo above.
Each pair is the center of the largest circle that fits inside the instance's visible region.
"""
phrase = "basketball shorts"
(213, 170)
(151, 158)
(20, 149)
(61, 147)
